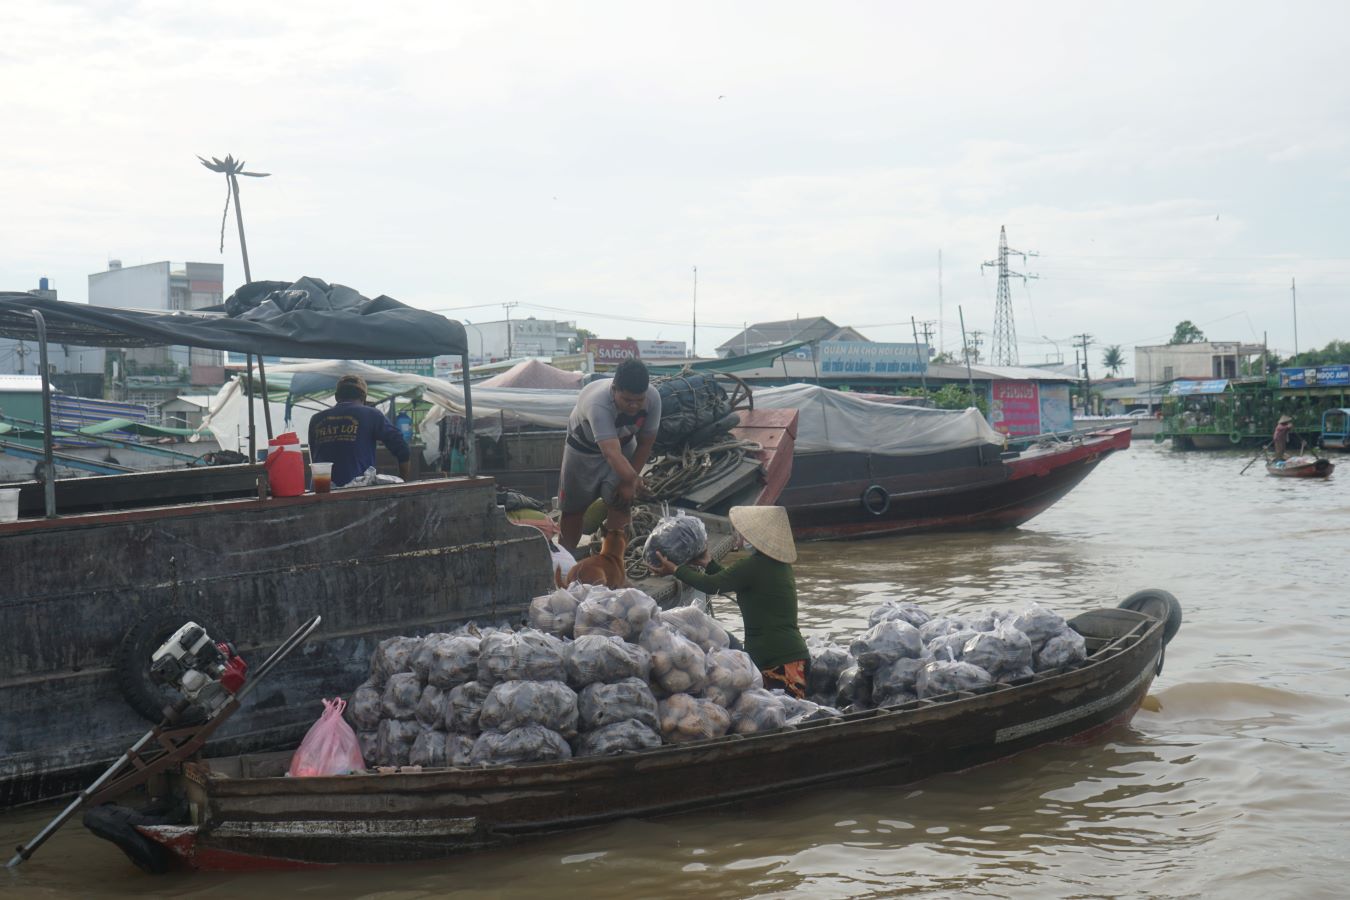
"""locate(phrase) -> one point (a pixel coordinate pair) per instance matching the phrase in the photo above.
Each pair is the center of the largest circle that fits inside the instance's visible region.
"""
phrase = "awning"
(731, 364)
(381, 328)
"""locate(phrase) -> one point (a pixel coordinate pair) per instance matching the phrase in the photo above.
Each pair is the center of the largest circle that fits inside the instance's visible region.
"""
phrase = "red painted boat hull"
(1322, 468)
(965, 490)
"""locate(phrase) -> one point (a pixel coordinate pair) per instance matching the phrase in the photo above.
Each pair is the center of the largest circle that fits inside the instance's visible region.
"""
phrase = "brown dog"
(605, 567)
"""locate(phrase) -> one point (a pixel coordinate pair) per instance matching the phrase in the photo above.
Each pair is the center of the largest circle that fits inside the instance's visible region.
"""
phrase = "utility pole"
(21, 350)
(973, 349)
(694, 351)
(1005, 332)
(923, 373)
(965, 347)
(1085, 340)
(507, 307)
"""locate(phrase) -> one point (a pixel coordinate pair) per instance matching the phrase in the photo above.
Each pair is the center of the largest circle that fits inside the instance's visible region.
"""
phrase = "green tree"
(1187, 333)
(1333, 353)
(953, 396)
(1113, 359)
(578, 342)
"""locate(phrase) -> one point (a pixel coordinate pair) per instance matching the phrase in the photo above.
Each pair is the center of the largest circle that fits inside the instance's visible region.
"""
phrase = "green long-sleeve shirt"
(766, 592)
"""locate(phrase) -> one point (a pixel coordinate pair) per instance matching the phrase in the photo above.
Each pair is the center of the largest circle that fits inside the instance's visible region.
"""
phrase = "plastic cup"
(321, 477)
(9, 504)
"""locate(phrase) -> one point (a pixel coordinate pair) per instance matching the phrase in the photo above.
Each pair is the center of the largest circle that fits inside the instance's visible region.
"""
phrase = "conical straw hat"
(767, 528)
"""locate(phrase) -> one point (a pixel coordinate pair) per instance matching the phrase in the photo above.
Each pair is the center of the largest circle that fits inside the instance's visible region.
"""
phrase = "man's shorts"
(586, 476)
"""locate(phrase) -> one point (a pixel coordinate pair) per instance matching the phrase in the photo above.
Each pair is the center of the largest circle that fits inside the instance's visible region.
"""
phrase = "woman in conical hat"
(764, 588)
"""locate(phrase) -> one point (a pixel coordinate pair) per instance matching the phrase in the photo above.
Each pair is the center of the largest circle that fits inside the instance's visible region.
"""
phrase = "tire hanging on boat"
(876, 500)
(131, 663)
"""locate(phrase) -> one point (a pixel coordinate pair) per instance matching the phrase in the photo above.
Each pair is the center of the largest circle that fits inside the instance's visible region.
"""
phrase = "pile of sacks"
(596, 672)
(908, 654)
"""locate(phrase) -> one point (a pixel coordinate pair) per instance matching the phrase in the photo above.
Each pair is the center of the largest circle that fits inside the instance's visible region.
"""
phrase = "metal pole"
(267, 407)
(923, 374)
(694, 352)
(470, 445)
(239, 219)
(48, 465)
(1293, 296)
(965, 350)
(252, 430)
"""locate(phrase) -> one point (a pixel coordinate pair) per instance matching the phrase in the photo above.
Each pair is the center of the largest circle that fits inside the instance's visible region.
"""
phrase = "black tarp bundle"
(307, 319)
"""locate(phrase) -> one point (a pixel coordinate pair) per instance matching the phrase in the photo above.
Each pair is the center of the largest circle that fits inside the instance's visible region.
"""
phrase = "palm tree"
(1113, 359)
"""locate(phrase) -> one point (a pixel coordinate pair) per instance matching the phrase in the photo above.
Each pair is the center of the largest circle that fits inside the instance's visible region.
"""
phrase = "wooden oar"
(1254, 459)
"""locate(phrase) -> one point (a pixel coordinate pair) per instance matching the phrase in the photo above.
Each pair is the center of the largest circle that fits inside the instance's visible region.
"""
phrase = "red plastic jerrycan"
(285, 465)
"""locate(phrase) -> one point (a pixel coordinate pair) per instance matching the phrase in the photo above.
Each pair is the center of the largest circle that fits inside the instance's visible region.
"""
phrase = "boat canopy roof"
(305, 320)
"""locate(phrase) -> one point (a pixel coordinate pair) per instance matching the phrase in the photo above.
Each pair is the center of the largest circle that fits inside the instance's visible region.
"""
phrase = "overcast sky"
(1168, 161)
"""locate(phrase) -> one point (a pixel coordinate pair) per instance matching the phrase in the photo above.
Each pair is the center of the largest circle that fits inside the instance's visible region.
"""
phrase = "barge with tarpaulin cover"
(241, 813)
(97, 568)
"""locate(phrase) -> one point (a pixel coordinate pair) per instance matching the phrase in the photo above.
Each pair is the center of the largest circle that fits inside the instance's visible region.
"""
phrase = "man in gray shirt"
(609, 438)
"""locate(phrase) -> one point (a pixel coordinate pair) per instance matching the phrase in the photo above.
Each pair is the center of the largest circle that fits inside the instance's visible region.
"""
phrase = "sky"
(1167, 161)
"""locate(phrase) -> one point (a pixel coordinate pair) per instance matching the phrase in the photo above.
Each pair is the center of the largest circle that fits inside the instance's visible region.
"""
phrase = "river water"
(1233, 782)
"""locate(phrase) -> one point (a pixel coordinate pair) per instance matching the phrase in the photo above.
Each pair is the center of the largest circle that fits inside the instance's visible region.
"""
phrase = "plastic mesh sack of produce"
(828, 661)
(330, 747)
(393, 741)
(431, 707)
(855, 689)
(679, 538)
(942, 625)
(459, 749)
(599, 705)
(515, 704)
(885, 642)
(617, 737)
(756, 710)
(1004, 653)
(1039, 624)
(728, 673)
(393, 655)
(990, 619)
(698, 626)
(533, 743)
(401, 695)
(685, 718)
(595, 658)
(464, 706)
(369, 742)
(446, 660)
(798, 711)
(949, 647)
(554, 613)
(428, 749)
(1063, 648)
(678, 665)
(366, 707)
(621, 614)
(938, 677)
(894, 683)
(899, 610)
(526, 655)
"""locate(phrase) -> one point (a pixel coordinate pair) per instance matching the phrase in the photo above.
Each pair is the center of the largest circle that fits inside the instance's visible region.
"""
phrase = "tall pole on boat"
(1293, 296)
(693, 353)
(965, 351)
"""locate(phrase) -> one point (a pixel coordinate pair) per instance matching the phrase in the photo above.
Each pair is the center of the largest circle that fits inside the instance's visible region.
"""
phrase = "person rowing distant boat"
(1284, 430)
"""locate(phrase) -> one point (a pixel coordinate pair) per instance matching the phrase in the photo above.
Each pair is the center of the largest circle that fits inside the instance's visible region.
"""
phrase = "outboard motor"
(207, 673)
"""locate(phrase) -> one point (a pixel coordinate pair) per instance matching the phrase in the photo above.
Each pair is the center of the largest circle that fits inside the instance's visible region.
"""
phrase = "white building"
(153, 376)
(1163, 363)
(516, 338)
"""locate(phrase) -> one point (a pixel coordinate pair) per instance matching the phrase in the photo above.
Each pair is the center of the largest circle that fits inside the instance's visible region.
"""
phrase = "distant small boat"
(1300, 467)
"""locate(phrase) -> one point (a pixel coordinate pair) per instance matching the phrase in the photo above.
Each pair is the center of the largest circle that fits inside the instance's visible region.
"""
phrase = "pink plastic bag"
(330, 747)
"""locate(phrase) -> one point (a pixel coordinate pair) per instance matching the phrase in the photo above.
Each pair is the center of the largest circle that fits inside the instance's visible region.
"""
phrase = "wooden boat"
(245, 815)
(1300, 467)
(852, 495)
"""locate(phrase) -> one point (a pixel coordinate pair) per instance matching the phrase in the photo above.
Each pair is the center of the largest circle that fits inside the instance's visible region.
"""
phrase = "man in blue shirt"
(346, 434)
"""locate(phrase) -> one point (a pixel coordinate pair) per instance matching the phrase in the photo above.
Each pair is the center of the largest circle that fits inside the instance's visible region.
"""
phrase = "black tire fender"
(1160, 605)
(118, 824)
(876, 500)
(132, 660)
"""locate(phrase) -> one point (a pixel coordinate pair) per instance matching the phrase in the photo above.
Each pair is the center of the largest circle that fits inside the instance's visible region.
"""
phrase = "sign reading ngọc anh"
(871, 358)
(1315, 376)
(1015, 409)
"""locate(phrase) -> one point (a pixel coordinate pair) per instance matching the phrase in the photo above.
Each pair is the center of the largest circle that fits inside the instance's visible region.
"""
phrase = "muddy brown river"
(1233, 783)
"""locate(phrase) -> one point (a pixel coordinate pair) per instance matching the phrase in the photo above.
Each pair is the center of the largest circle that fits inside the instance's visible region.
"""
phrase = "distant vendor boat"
(1300, 467)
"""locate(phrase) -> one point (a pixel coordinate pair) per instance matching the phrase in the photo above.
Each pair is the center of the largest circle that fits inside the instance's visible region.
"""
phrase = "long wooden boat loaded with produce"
(240, 812)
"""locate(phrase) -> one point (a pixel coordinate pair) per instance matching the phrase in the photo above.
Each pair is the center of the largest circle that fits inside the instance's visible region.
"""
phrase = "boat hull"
(834, 496)
(373, 562)
(246, 821)
(1320, 468)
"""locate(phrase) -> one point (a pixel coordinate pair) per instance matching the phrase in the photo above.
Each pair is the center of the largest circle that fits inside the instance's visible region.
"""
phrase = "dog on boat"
(605, 567)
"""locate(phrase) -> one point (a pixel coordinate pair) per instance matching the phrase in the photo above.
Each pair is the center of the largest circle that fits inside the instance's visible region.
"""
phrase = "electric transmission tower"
(1005, 332)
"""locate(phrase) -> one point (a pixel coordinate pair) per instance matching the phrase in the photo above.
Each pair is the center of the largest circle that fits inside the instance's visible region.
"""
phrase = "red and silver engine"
(206, 672)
